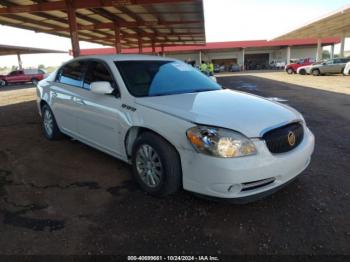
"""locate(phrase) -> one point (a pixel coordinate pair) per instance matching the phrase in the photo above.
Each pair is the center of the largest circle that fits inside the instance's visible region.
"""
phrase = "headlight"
(220, 142)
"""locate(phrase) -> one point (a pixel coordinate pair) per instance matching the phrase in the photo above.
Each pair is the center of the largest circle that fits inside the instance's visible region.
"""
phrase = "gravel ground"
(66, 198)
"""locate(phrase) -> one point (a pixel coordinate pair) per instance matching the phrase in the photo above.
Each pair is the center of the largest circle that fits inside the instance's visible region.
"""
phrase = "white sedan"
(175, 126)
(347, 69)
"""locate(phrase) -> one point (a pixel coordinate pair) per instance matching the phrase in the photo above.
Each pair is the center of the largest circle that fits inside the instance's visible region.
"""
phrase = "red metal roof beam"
(77, 4)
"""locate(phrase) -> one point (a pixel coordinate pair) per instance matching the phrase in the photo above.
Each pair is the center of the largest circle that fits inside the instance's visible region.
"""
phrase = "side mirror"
(101, 87)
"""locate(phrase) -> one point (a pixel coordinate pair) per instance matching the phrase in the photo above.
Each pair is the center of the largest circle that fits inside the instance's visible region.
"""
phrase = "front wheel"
(49, 124)
(290, 71)
(156, 165)
(316, 72)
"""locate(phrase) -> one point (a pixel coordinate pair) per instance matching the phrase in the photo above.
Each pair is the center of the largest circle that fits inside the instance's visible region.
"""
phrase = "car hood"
(248, 114)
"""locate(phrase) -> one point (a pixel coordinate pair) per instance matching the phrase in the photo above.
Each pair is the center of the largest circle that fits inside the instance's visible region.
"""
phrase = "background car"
(306, 70)
(23, 76)
(292, 67)
(277, 65)
(347, 69)
(331, 66)
(234, 68)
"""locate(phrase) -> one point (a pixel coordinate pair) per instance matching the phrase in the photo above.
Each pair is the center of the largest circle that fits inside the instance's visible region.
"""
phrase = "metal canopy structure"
(15, 50)
(119, 23)
(336, 24)
(21, 50)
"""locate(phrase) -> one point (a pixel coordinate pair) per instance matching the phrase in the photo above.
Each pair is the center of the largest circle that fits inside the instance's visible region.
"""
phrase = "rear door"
(100, 119)
(64, 96)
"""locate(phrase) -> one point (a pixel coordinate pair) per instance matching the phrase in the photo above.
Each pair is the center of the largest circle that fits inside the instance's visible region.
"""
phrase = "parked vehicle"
(234, 68)
(277, 65)
(347, 69)
(331, 66)
(292, 68)
(175, 126)
(23, 76)
(306, 70)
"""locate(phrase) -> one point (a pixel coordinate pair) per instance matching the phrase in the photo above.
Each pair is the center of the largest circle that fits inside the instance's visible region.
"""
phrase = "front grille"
(285, 138)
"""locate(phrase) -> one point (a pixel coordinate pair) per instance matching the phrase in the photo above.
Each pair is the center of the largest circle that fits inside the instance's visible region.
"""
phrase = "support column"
(319, 50)
(288, 54)
(140, 44)
(243, 60)
(200, 57)
(19, 61)
(73, 28)
(332, 51)
(342, 46)
(163, 52)
(117, 43)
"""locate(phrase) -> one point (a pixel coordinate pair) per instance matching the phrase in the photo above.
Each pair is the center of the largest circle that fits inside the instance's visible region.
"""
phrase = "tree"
(41, 66)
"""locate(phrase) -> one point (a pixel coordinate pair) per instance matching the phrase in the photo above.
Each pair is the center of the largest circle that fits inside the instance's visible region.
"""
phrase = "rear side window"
(97, 72)
(72, 73)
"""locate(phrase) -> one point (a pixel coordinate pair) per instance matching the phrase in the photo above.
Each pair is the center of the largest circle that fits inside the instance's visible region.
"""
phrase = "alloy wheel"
(48, 122)
(149, 166)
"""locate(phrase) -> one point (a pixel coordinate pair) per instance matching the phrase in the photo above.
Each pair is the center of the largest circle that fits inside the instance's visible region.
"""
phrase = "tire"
(290, 71)
(302, 72)
(156, 165)
(3, 83)
(316, 72)
(50, 128)
(35, 81)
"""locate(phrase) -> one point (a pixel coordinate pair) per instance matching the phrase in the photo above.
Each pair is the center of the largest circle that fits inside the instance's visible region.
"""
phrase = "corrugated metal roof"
(335, 24)
(166, 23)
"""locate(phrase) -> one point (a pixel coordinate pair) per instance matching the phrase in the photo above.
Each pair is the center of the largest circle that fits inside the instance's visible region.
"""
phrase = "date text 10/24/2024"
(173, 258)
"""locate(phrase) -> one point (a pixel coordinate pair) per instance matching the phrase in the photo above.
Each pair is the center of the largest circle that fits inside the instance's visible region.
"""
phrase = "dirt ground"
(64, 197)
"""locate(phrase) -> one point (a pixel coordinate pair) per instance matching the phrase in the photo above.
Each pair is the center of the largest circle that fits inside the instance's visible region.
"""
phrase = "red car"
(292, 68)
(23, 76)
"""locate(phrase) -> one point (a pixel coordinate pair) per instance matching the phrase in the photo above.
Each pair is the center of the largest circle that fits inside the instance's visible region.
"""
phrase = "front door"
(99, 119)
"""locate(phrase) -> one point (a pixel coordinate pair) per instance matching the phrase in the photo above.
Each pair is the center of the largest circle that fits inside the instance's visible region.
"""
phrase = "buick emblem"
(291, 138)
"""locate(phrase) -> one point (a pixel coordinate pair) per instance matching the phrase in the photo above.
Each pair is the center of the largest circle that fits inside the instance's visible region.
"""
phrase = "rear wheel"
(302, 72)
(316, 72)
(290, 71)
(156, 165)
(3, 83)
(35, 81)
(49, 125)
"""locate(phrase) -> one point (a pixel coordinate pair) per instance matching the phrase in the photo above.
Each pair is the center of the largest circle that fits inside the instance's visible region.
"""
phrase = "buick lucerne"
(176, 126)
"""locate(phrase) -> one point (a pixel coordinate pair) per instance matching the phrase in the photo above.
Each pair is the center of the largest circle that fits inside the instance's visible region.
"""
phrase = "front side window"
(72, 73)
(156, 78)
(97, 72)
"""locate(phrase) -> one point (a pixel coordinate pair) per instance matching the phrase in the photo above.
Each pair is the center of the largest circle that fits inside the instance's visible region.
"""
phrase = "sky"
(225, 20)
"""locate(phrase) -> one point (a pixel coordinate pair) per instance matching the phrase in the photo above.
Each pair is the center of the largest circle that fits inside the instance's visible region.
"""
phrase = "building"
(257, 54)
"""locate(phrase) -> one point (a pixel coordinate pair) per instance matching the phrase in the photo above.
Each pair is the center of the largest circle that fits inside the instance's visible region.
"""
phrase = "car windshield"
(157, 78)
